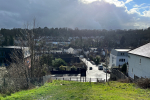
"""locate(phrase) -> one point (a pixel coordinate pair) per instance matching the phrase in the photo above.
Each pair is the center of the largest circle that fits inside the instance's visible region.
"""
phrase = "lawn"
(70, 90)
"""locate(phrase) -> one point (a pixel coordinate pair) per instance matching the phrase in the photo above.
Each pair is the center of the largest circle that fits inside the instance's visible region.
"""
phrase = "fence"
(117, 74)
(79, 79)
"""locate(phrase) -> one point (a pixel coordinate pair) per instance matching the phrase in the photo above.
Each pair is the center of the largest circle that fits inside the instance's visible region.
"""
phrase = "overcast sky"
(84, 14)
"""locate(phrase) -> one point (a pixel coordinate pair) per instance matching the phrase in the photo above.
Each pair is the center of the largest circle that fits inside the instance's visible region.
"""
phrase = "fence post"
(90, 80)
(56, 78)
(77, 79)
(70, 78)
(80, 79)
(85, 79)
(63, 78)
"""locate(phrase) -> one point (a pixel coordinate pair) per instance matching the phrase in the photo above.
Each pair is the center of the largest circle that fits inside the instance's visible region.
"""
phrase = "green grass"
(70, 90)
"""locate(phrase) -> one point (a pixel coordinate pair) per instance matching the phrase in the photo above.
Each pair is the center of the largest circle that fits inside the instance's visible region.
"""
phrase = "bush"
(143, 83)
(124, 68)
(124, 80)
(73, 68)
(62, 68)
(97, 60)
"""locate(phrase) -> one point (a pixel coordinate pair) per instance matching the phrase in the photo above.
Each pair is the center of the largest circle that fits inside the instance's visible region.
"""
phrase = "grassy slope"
(69, 90)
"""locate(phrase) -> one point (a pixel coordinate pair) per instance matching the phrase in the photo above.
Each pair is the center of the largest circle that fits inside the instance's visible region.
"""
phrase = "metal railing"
(79, 79)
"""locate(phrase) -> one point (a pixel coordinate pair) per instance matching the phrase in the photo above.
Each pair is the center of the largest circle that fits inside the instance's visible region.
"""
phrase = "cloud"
(96, 14)
(128, 1)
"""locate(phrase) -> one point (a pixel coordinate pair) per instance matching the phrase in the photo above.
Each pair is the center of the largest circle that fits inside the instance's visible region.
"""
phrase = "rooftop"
(123, 50)
(15, 47)
(142, 50)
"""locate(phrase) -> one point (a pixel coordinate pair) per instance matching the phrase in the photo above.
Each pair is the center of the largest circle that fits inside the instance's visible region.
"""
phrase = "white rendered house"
(139, 62)
(118, 57)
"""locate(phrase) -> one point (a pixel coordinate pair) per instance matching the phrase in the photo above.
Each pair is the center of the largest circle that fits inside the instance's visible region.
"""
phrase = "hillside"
(70, 90)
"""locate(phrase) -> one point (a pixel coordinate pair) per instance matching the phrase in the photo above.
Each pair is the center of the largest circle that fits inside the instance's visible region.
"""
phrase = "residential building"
(118, 57)
(139, 62)
(9, 54)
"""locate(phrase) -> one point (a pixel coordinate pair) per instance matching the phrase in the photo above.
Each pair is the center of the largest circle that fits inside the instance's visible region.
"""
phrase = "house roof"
(122, 50)
(13, 47)
(116, 52)
(142, 51)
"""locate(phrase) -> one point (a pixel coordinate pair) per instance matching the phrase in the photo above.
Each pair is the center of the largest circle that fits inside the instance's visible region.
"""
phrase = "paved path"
(94, 73)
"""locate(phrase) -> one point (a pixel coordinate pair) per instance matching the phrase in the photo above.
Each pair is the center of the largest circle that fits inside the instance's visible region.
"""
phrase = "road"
(94, 73)
(91, 75)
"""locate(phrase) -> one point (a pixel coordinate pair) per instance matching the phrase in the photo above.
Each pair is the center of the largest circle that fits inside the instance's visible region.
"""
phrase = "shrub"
(124, 68)
(143, 83)
(62, 68)
(124, 80)
(73, 68)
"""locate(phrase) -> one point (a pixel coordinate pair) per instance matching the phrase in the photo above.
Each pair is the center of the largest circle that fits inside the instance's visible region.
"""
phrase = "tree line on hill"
(113, 38)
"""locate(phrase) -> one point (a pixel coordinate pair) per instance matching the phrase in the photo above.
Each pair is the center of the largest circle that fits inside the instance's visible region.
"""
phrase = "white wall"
(139, 69)
(111, 60)
(121, 63)
(114, 60)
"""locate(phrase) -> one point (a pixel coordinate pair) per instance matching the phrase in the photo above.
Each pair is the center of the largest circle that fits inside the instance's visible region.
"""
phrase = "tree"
(11, 41)
(122, 40)
(46, 59)
(124, 68)
(97, 60)
(58, 62)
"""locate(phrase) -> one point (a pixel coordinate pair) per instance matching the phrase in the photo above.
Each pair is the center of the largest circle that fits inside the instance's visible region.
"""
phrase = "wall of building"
(114, 60)
(119, 62)
(137, 67)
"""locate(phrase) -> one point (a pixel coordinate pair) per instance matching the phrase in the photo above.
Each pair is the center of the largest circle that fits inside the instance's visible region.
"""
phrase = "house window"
(122, 53)
(140, 61)
(124, 60)
(119, 60)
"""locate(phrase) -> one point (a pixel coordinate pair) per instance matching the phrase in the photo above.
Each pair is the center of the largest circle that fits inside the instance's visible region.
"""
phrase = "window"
(122, 53)
(119, 60)
(140, 61)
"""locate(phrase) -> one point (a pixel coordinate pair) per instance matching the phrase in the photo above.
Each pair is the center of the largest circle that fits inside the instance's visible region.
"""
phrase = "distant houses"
(139, 62)
(118, 57)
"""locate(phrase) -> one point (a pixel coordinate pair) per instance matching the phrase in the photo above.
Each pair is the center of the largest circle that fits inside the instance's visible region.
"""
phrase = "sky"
(82, 14)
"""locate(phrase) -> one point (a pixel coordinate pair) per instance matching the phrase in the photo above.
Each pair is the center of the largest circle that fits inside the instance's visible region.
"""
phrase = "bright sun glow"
(88, 1)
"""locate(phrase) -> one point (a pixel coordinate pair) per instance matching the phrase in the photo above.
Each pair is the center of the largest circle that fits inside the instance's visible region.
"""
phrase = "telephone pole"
(106, 68)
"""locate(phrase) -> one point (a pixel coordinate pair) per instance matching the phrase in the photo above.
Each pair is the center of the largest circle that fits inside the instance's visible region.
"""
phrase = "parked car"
(100, 67)
(104, 69)
(90, 68)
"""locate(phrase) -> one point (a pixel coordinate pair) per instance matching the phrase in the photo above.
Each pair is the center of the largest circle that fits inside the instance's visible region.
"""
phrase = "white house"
(103, 52)
(118, 57)
(139, 62)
